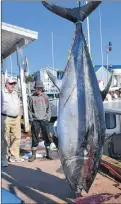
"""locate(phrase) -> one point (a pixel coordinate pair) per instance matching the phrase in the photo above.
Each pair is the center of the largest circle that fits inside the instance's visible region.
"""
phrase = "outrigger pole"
(21, 65)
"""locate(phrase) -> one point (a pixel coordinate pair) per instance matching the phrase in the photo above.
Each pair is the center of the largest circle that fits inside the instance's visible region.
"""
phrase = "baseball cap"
(11, 80)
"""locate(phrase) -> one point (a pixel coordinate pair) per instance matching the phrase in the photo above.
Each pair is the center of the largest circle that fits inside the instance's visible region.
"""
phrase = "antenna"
(52, 51)
(101, 36)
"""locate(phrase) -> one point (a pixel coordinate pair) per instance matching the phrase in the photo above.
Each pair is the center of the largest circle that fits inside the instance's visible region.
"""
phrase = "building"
(117, 74)
(14, 40)
(104, 75)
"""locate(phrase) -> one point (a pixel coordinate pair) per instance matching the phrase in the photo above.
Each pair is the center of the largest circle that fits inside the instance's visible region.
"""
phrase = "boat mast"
(52, 51)
(11, 65)
(101, 36)
(88, 31)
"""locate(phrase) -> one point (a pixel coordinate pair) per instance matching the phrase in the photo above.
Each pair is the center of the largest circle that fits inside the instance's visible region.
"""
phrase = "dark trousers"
(38, 125)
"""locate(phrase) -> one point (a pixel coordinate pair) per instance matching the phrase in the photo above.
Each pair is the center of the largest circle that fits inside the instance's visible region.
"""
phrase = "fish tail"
(74, 14)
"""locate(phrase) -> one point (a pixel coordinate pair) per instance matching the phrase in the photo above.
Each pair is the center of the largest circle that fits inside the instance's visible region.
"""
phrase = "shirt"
(10, 103)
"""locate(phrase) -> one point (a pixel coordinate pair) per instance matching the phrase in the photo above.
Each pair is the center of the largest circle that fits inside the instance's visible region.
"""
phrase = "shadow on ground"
(29, 181)
(34, 182)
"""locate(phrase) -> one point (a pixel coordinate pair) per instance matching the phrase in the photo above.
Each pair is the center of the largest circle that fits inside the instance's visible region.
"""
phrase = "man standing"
(40, 114)
(10, 123)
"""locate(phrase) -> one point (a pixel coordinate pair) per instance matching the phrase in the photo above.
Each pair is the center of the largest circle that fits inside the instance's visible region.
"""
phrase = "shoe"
(33, 157)
(17, 160)
(48, 153)
(4, 163)
(53, 147)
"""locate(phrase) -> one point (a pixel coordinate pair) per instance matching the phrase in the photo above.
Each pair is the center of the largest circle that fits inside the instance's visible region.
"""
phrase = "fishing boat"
(113, 128)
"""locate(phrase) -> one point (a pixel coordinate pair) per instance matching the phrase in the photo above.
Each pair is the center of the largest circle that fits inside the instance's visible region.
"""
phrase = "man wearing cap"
(10, 123)
(40, 114)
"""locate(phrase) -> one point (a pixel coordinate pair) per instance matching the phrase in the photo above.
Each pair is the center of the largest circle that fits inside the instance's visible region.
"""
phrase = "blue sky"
(33, 15)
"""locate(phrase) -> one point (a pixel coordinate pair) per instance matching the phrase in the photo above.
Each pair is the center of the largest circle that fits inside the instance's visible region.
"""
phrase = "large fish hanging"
(81, 124)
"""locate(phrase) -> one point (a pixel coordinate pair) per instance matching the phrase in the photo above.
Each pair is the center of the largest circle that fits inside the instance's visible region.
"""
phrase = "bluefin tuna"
(81, 123)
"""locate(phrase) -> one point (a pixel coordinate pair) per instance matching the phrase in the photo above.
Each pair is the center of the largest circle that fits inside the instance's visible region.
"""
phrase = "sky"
(34, 16)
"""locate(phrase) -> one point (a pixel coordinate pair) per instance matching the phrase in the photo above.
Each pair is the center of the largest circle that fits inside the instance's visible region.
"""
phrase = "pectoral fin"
(54, 79)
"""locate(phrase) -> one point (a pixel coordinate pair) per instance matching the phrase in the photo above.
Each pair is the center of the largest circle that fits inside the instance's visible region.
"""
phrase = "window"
(60, 74)
(57, 95)
(50, 95)
(110, 120)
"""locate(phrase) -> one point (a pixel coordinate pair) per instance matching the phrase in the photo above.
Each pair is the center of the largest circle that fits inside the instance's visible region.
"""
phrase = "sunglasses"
(12, 84)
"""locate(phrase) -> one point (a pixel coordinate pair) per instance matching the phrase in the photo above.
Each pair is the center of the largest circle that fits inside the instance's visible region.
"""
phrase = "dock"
(42, 182)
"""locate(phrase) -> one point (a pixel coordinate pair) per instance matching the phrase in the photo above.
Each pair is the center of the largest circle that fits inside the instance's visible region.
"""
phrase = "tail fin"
(74, 14)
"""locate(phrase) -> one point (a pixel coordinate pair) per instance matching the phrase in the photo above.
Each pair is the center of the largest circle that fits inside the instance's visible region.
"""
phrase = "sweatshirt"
(39, 107)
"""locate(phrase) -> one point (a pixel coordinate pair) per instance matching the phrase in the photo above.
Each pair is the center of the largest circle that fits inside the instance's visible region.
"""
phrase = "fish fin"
(89, 8)
(55, 81)
(74, 14)
(106, 90)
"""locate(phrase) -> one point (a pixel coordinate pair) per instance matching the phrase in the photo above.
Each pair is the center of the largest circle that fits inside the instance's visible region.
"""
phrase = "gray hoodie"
(39, 107)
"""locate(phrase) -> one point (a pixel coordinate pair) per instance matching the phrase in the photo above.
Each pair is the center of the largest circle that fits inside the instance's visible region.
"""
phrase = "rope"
(111, 170)
(78, 22)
